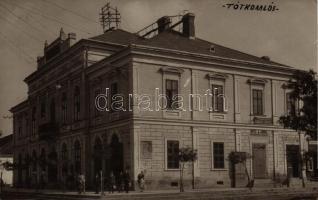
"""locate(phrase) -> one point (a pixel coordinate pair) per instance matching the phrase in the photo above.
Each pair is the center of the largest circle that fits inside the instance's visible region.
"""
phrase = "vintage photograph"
(169, 99)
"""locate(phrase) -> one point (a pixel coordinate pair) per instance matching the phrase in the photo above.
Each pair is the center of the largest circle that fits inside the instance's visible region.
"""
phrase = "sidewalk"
(92, 194)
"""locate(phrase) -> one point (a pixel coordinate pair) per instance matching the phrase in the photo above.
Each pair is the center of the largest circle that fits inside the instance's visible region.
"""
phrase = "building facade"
(59, 132)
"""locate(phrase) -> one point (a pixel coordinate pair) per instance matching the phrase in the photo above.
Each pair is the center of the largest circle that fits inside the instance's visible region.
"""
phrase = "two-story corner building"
(59, 133)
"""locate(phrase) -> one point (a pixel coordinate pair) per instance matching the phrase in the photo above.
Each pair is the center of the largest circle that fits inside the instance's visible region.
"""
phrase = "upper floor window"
(64, 152)
(77, 103)
(171, 93)
(290, 104)
(113, 93)
(19, 125)
(43, 107)
(218, 155)
(172, 154)
(64, 107)
(52, 110)
(217, 98)
(96, 111)
(257, 97)
(33, 118)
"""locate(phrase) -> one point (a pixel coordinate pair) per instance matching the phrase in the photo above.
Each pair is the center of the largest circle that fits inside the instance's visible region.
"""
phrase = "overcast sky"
(287, 35)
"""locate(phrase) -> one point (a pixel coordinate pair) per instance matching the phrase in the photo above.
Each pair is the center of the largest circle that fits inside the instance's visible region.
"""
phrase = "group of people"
(121, 182)
(118, 182)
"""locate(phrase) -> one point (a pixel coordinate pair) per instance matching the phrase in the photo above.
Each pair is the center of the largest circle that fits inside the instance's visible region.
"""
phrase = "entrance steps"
(263, 183)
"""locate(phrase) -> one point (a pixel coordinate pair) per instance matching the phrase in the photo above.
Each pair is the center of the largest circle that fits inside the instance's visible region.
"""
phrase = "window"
(257, 102)
(19, 125)
(290, 104)
(218, 155)
(218, 98)
(52, 110)
(77, 157)
(113, 93)
(64, 107)
(33, 120)
(172, 154)
(77, 103)
(43, 108)
(64, 152)
(96, 111)
(171, 92)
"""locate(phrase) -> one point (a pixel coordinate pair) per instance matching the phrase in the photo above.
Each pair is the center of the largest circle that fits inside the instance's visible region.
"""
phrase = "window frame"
(213, 167)
(172, 93)
(290, 104)
(97, 113)
(112, 94)
(77, 103)
(219, 101)
(259, 111)
(167, 167)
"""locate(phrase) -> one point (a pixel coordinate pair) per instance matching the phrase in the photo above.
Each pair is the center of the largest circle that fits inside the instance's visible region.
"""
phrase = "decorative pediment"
(172, 70)
(215, 75)
(257, 81)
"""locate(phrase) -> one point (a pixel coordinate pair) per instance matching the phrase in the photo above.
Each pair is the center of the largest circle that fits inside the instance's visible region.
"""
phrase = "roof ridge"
(241, 52)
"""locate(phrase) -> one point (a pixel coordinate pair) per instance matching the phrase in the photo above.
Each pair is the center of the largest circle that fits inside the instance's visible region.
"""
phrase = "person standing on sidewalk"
(141, 181)
(97, 183)
(126, 178)
(120, 182)
(111, 182)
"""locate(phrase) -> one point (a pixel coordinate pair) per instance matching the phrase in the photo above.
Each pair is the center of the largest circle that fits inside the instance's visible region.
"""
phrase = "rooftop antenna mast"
(109, 17)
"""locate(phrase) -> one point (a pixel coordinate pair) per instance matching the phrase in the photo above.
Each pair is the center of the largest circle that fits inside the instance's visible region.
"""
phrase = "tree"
(186, 155)
(236, 158)
(303, 86)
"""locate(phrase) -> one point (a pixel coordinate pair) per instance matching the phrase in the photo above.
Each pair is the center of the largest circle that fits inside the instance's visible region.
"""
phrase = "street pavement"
(208, 194)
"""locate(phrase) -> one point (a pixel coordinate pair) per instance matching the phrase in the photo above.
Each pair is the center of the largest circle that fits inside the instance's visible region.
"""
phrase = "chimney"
(163, 24)
(188, 25)
(72, 38)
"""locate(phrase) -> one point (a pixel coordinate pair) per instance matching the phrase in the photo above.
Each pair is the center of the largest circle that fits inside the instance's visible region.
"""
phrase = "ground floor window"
(218, 155)
(173, 154)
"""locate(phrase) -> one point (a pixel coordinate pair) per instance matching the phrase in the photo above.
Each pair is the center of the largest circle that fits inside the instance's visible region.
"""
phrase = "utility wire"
(49, 17)
(70, 11)
(10, 11)
(21, 29)
(28, 58)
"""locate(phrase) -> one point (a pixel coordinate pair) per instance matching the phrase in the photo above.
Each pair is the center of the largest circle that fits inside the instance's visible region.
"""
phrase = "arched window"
(77, 156)
(77, 103)
(19, 169)
(98, 155)
(43, 159)
(34, 159)
(64, 152)
(64, 158)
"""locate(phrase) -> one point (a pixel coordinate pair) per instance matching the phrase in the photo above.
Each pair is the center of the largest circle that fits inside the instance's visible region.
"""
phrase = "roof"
(177, 41)
(117, 36)
(6, 145)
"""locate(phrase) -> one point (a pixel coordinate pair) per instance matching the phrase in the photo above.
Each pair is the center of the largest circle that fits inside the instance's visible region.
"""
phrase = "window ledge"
(167, 169)
(219, 169)
(255, 115)
(172, 110)
(215, 112)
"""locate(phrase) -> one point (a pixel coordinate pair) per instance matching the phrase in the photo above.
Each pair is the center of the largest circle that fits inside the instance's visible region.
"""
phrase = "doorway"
(259, 160)
(116, 156)
(293, 160)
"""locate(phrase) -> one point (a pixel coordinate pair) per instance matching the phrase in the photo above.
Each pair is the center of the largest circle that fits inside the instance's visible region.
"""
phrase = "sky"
(287, 35)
